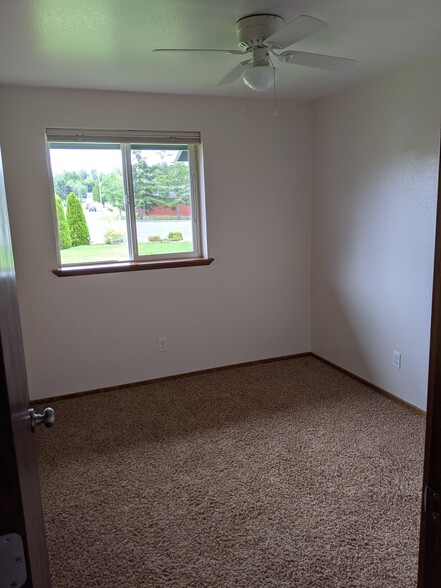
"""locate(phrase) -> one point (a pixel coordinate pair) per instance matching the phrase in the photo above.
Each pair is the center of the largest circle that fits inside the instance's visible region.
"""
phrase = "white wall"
(253, 302)
(375, 183)
(375, 189)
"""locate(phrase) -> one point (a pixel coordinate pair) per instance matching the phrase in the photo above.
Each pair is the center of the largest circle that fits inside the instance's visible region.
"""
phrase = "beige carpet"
(286, 474)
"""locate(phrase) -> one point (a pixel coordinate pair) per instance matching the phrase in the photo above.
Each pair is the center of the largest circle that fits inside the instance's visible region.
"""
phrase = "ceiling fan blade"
(229, 51)
(235, 73)
(295, 31)
(317, 60)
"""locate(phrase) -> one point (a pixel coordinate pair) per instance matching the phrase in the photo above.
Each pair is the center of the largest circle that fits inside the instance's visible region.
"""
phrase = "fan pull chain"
(275, 113)
(246, 101)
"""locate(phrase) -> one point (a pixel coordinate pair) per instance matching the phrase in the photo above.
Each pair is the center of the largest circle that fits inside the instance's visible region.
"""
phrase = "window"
(126, 199)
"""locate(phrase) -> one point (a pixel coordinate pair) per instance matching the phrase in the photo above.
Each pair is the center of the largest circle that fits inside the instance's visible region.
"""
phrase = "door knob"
(47, 418)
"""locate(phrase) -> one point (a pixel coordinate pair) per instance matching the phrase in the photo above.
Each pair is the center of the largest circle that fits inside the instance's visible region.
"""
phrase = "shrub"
(76, 221)
(155, 239)
(175, 236)
(111, 237)
(63, 228)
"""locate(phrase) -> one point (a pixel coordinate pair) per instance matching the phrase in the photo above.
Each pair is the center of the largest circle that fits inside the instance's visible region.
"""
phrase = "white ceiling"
(107, 44)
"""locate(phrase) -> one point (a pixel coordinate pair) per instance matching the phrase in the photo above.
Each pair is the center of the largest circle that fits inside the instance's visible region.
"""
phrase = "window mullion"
(194, 196)
(130, 202)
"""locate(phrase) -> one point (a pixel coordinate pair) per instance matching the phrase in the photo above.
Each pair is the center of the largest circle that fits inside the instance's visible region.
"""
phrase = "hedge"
(79, 231)
(63, 228)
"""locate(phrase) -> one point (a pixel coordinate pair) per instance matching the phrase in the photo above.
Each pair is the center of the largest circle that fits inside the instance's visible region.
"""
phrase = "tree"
(63, 228)
(89, 183)
(161, 184)
(144, 183)
(77, 186)
(173, 185)
(72, 181)
(76, 220)
(110, 188)
(60, 186)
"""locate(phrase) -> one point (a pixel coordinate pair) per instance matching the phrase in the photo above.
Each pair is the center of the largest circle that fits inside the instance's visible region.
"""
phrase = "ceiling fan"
(265, 36)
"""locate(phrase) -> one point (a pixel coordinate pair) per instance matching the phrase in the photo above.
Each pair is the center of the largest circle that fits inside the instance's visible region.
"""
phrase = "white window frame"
(125, 140)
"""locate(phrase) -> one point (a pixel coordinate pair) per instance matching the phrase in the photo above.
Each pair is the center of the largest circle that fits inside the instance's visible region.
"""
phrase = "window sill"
(130, 266)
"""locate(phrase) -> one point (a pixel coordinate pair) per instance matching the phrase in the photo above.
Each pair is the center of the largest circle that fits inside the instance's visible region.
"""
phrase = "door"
(20, 502)
(429, 575)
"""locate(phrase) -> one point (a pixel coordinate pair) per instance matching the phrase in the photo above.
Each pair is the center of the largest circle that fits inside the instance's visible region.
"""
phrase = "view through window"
(118, 202)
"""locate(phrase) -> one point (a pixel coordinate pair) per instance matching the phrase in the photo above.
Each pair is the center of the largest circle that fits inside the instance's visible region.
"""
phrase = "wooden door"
(20, 502)
(429, 575)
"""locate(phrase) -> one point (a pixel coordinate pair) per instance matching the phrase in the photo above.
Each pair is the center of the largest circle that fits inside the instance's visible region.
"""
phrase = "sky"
(103, 160)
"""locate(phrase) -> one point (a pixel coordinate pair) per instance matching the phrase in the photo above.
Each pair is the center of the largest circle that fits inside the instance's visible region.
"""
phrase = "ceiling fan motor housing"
(253, 30)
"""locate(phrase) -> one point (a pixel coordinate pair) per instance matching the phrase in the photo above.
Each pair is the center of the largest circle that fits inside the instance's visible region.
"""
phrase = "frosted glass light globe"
(260, 77)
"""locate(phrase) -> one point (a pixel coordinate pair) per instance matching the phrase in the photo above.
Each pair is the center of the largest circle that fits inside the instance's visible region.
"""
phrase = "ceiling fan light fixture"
(260, 77)
(259, 35)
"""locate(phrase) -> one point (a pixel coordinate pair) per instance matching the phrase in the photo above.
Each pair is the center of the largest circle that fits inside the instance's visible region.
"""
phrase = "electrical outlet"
(396, 359)
(162, 344)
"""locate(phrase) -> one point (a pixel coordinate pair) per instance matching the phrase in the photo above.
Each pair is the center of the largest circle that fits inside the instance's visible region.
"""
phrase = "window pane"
(162, 193)
(90, 203)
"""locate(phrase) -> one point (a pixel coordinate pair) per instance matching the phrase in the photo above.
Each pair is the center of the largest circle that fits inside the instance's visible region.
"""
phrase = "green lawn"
(91, 253)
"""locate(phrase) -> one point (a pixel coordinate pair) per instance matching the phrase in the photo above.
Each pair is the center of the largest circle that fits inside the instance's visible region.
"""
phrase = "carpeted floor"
(285, 474)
